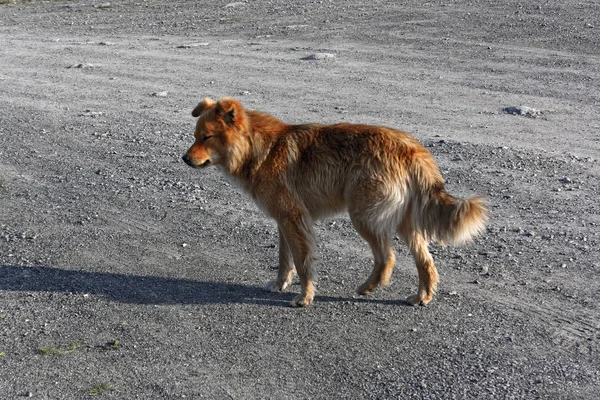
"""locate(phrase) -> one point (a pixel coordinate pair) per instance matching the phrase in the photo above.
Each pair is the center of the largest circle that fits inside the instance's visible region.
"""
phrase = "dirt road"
(126, 274)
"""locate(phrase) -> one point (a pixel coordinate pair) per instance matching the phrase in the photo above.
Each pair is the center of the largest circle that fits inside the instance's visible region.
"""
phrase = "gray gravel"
(126, 275)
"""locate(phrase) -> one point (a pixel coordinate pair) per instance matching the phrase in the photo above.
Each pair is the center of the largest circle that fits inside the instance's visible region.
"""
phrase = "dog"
(386, 180)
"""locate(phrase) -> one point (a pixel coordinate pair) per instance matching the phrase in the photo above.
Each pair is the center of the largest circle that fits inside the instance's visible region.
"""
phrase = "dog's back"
(389, 172)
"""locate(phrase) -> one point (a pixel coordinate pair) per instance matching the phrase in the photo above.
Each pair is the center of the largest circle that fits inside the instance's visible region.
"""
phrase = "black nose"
(186, 159)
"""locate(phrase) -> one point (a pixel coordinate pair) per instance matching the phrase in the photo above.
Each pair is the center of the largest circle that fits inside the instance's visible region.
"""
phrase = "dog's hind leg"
(286, 267)
(428, 275)
(383, 255)
(375, 211)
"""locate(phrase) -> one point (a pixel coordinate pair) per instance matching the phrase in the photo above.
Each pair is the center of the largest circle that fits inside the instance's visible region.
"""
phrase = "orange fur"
(385, 178)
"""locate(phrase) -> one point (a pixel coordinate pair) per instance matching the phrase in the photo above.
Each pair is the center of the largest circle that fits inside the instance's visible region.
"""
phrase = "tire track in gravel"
(569, 330)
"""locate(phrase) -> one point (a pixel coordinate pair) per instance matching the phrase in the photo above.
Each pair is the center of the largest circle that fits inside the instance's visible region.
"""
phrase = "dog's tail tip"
(469, 219)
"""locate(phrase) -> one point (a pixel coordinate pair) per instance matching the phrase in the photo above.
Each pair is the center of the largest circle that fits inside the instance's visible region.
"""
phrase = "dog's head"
(220, 136)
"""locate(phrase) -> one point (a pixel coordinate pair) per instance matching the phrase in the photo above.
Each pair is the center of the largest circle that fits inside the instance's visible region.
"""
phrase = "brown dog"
(385, 178)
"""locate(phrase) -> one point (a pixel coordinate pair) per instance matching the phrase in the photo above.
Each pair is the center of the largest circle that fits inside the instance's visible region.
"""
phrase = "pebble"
(523, 111)
(190, 45)
(320, 57)
(160, 94)
(90, 113)
(235, 4)
(82, 65)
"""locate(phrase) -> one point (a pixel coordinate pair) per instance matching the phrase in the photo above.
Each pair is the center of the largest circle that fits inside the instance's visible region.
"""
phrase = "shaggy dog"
(385, 178)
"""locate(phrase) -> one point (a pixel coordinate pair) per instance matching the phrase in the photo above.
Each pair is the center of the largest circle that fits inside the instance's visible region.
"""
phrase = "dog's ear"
(229, 110)
(203, 105)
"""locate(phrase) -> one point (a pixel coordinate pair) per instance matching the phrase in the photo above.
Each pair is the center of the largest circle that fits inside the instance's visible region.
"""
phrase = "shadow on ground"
(148, 289)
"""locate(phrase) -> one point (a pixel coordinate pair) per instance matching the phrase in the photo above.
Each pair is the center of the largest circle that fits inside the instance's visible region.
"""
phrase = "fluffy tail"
(446, 219)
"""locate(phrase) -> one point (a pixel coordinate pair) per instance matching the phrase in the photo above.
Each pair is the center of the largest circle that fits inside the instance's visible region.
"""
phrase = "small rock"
(565, 180)
(82, 65)
(190, 45)
(523, 111)
(453, 293)
(235, 4)
(90, 113)
(295, 27)
(320, 57)
(160, 94)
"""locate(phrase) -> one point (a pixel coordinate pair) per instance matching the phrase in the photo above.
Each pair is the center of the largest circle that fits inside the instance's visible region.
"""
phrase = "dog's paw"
(365, 289)
(419, 299)
(301, 301)
(274, 286)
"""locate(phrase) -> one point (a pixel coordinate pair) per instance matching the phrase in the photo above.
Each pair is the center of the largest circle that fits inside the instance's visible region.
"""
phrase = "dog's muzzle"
(186, 159)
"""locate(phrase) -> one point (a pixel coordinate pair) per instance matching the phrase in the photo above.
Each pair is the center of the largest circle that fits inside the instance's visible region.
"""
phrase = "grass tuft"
(99, 389)
(59, 350)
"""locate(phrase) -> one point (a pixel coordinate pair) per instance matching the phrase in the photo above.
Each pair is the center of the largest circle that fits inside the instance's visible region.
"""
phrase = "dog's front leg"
(297, 231)
(286, 267)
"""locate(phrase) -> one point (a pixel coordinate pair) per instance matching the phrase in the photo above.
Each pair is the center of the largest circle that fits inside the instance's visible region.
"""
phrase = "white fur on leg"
(273, 286)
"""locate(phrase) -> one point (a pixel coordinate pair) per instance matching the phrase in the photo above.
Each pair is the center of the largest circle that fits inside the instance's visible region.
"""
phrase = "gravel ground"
(125, 274)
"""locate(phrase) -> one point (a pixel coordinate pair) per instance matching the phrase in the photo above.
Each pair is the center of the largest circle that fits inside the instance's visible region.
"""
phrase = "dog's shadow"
(137, 289)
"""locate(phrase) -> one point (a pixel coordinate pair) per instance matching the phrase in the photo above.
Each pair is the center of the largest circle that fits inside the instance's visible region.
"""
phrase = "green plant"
(59, 350)
(99, 389)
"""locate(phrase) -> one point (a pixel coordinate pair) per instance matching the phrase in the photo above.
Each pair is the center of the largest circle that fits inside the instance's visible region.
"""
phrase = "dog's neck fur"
(261, 132)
